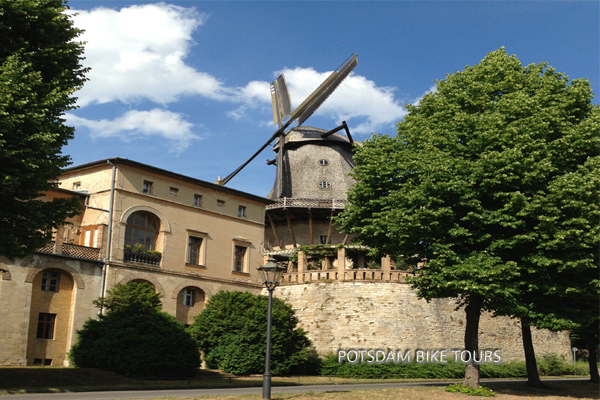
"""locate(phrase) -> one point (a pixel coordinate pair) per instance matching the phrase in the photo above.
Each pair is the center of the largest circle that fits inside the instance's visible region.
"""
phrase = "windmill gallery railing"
(288, 202)
(344, 271)
(347, 275)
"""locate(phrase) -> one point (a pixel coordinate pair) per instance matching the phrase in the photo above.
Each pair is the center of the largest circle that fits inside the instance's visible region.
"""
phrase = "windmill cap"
(306, 134)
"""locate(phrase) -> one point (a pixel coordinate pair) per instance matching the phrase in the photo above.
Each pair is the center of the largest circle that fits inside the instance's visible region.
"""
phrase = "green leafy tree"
(135, 338)
(232, 333)
(40, 69)
(455, 187)
(141, 297)
(567, 265)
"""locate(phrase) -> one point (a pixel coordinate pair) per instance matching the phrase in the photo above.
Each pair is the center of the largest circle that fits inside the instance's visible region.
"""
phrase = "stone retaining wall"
(380, 315)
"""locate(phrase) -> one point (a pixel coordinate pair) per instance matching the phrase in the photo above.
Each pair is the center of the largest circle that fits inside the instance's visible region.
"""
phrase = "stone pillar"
(325, 263)
(341, 263)
(301, 265)
(386, 267)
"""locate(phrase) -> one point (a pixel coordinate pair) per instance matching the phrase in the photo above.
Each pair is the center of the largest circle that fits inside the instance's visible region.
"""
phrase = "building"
(186, 237)
(190, 239)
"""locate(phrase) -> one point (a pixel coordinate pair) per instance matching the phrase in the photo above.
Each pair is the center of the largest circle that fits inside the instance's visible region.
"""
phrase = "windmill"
(313, 167)
(283, 116)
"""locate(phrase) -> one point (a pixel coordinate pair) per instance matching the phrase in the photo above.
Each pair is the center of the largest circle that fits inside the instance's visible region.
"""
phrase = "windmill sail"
(280, 97)
(282, 105)
(314, 101)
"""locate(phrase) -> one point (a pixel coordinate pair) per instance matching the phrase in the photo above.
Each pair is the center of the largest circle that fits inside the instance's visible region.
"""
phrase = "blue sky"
(184, 85)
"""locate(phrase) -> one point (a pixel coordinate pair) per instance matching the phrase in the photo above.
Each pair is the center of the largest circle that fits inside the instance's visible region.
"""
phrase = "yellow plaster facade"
(208, 238)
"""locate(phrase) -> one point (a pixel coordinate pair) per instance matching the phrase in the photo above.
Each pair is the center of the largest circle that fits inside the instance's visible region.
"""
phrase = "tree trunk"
(473, 312)
(592, 345)
(533, 377)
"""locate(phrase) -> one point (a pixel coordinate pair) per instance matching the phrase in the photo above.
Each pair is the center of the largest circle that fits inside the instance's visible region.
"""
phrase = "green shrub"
(331, 366)
(511, 369)
(136, 339)
(552, 365)
(232, 329)
(460, 388)
(548, 365)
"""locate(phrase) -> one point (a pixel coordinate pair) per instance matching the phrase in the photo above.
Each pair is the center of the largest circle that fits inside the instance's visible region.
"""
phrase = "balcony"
(142, 257)
(71, 250)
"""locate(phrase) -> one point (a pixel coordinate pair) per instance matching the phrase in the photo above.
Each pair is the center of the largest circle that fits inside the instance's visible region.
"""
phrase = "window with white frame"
(188, 297)
(242, 211)
(240, 258)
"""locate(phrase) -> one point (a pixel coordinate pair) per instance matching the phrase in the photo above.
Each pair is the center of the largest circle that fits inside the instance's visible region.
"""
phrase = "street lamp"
(270, 274)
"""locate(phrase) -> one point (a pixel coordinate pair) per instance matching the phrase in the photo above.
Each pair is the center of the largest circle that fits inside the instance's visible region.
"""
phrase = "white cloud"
(138, 53)
(141, 124)
(357, 97)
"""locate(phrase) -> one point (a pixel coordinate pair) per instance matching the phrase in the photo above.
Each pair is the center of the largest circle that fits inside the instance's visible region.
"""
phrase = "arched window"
(142, 228)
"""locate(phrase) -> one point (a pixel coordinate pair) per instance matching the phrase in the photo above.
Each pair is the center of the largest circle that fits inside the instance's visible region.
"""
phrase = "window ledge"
(241, 273)
(195, 265)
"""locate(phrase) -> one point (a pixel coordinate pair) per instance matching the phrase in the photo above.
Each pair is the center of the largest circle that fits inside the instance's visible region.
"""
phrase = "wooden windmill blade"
(280, 98)
(318, 97)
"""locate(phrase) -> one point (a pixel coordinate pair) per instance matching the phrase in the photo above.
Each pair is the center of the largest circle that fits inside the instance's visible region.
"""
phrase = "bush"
(552, 365)
(451, 370)
(548, 365)
(135, 338)
(480, 391)
(511, 369)
(232, 329)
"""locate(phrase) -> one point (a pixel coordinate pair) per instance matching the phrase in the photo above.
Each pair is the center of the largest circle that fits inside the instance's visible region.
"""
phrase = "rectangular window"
(76, 185)
(45, 328)
(242, 212)
(50, 281)
(239, 258)
(221, 203)
(89, 236)
(173, 191)
(188, 297)
(147, 188)
(323, 239)
(197, 200)
(48, 361)
(194, 250)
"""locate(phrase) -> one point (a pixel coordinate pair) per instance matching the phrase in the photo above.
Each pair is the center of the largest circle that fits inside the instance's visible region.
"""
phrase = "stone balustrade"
(342, 272)
(348, 275)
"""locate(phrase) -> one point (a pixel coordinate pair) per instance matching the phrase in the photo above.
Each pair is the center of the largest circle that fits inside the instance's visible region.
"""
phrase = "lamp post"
(270, 274)
(574, 360)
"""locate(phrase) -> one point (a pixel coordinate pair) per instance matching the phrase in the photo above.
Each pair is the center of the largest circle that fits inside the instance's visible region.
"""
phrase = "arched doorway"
(50, 317)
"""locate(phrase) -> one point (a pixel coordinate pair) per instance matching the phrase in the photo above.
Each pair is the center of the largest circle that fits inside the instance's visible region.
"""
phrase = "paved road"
(145, 394)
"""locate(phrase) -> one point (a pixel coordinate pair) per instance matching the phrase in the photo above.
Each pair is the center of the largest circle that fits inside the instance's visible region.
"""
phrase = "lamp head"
(271, 273)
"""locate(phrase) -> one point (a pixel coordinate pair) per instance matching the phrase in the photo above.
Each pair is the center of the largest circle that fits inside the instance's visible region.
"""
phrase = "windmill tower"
(312, 167)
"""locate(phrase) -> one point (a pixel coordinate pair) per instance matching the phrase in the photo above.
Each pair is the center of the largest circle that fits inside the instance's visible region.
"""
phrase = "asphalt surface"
(146, 394)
